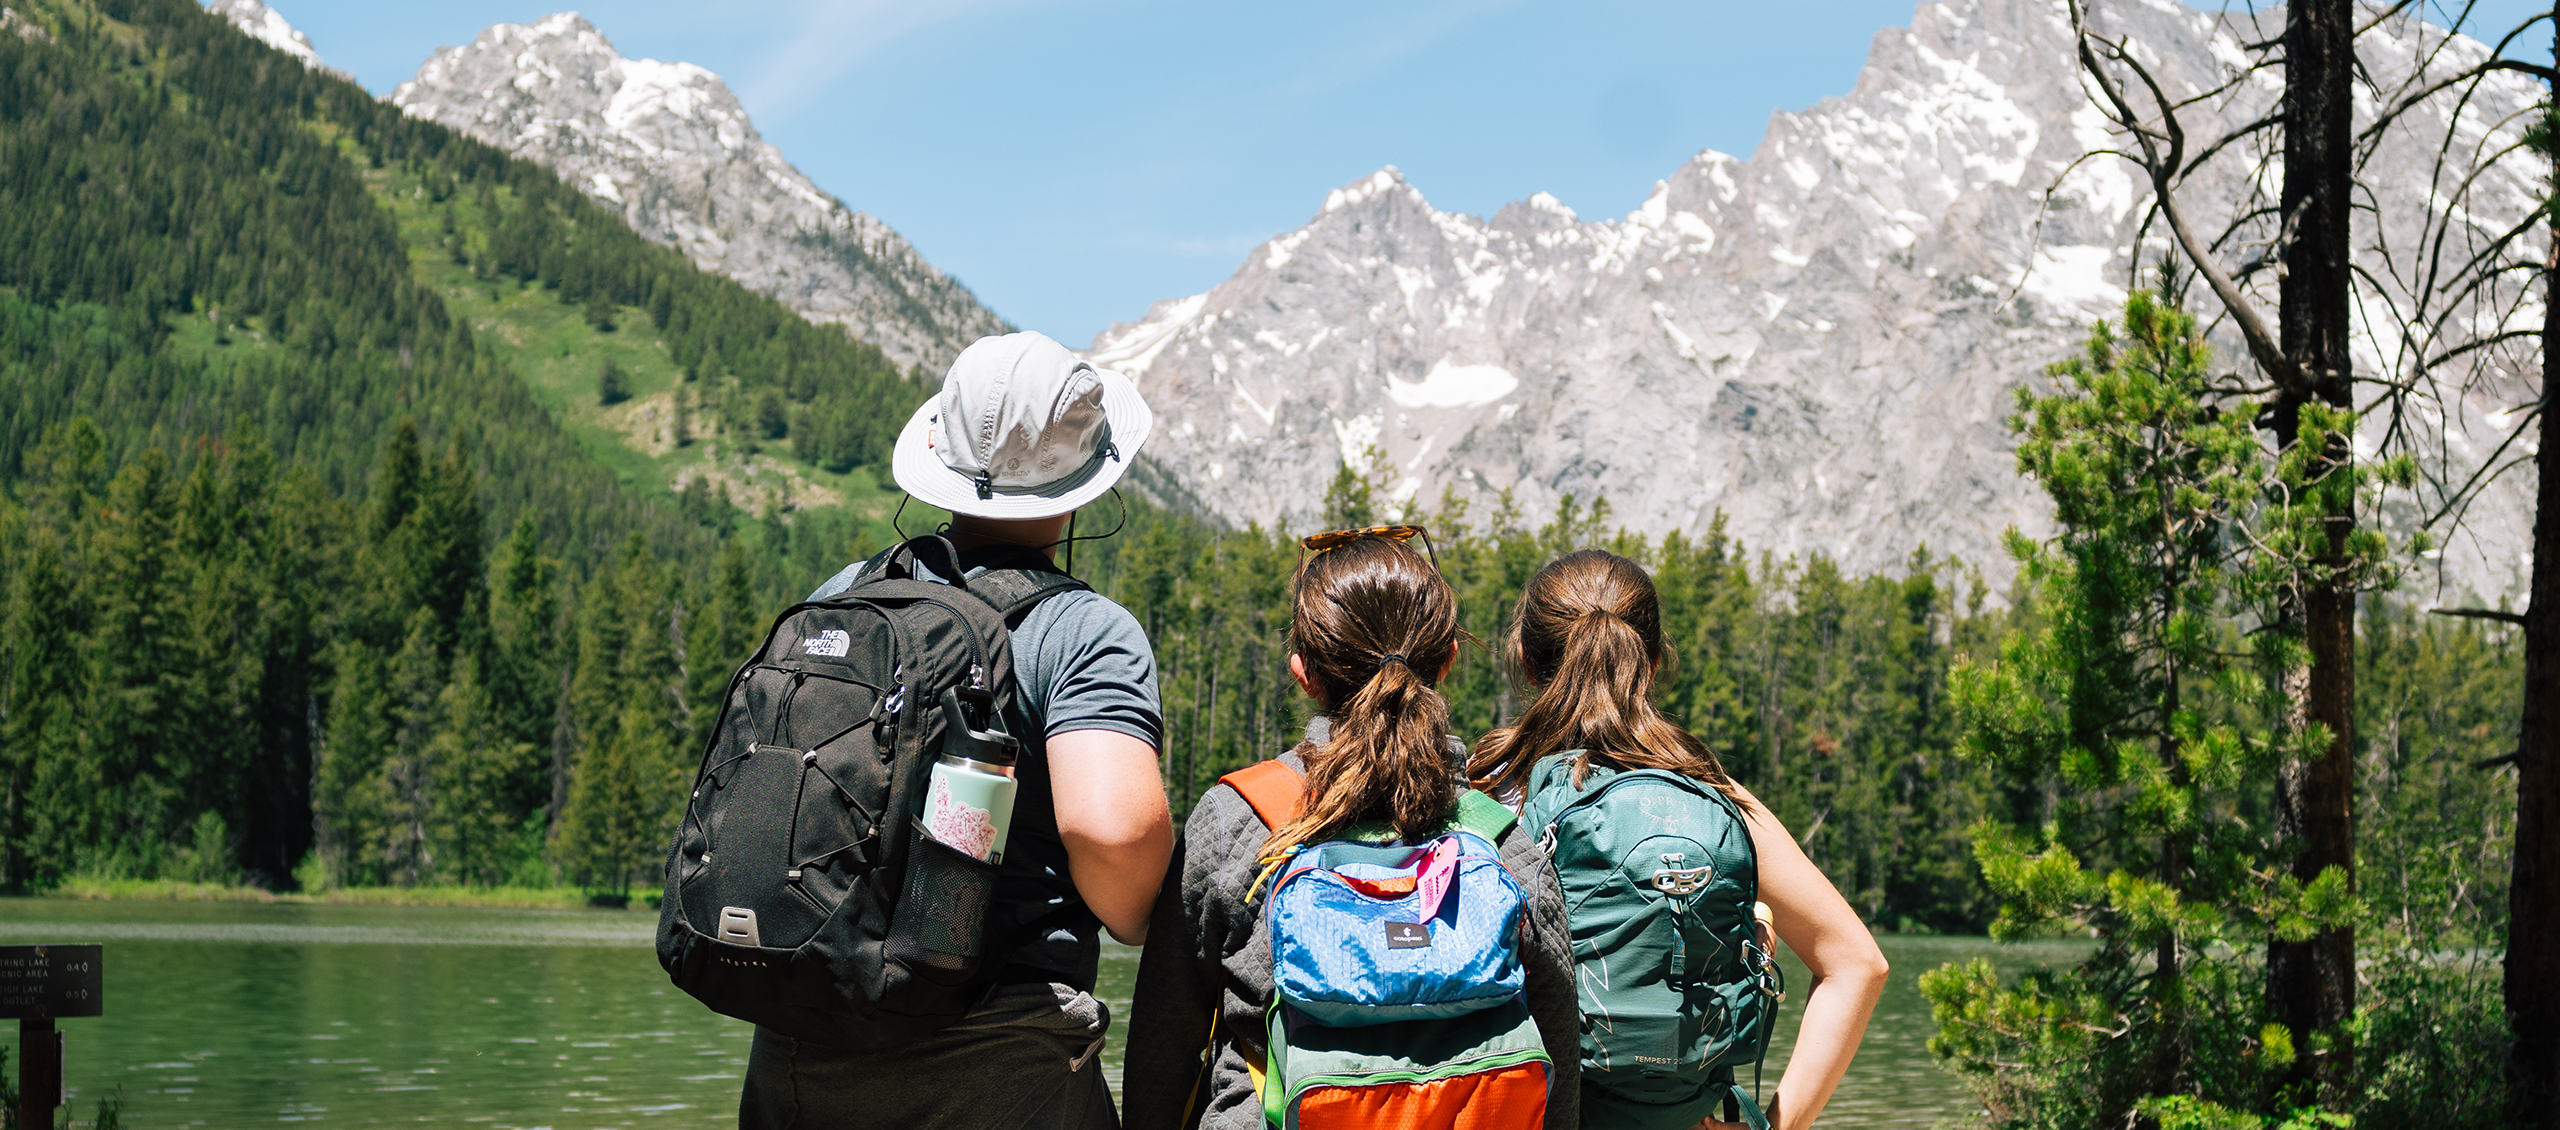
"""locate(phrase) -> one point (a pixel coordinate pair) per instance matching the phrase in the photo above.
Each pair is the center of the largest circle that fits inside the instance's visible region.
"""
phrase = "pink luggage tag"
(1437, 872)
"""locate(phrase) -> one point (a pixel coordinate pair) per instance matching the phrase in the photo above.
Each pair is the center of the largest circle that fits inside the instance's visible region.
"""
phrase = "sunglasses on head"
(1336, 539)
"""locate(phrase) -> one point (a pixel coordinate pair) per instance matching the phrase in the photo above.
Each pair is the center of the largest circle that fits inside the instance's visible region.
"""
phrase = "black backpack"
(802, 894)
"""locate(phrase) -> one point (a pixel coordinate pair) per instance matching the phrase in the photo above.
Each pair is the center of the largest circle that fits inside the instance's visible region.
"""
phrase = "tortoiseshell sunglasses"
(1336, 539)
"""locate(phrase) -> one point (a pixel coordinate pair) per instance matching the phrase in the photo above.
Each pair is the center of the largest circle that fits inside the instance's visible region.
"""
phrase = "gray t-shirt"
(1080, 662)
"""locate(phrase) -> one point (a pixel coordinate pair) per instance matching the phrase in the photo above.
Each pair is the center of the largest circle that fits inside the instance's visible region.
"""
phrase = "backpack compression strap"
(1275, 791)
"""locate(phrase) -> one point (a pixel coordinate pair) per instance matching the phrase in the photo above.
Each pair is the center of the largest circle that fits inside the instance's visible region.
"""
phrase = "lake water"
(234, 1014)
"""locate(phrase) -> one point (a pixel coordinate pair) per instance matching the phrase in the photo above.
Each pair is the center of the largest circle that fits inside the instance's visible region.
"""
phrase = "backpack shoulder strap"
(1483, 815)
(1559, 768)
(1020, 581)
(1271, 787)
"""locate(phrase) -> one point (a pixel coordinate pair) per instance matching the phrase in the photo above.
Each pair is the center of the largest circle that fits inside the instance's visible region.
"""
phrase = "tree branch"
(2479, 614)
(2261, 338)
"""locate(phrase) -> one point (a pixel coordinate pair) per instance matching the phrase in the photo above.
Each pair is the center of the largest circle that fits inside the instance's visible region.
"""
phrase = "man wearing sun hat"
(1022, 434)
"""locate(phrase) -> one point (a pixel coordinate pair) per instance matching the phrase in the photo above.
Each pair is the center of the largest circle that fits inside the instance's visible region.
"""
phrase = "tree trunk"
(2311, 984)
(2533, 901)
(564, 733)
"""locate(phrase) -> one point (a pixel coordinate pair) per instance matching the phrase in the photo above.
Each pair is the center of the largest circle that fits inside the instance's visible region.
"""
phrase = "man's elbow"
(1136, 840)
(1129, 828)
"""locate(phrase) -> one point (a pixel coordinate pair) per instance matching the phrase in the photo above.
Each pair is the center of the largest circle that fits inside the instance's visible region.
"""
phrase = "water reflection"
(226, 1014)
(1893, 1082)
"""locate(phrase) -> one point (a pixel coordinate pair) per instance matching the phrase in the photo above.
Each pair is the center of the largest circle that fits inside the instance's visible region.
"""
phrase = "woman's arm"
(1848, 970)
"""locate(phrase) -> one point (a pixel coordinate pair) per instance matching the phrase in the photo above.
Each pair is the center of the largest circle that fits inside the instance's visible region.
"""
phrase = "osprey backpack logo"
(832, 643)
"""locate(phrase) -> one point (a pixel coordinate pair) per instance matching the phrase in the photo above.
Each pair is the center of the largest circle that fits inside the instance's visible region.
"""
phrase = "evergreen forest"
(323, 570)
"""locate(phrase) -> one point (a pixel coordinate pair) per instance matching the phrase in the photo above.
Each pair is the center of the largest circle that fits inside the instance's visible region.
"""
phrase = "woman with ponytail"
(1374, 628)
(1586, 647)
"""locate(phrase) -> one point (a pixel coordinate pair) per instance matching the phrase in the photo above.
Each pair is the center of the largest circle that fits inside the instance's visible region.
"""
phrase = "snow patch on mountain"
(669, 146)
(1820, 342)
(268, 26)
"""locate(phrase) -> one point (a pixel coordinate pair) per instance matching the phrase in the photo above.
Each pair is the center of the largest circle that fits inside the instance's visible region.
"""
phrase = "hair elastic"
(1392, 657)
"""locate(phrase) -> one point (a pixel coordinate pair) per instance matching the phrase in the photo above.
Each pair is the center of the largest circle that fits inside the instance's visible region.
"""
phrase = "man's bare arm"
(1112, 815)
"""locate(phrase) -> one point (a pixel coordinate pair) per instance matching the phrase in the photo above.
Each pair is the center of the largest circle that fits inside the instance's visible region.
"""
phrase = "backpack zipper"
(976, 660)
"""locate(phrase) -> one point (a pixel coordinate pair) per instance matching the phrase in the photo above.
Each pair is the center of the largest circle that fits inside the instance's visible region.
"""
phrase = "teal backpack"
(1676, 991)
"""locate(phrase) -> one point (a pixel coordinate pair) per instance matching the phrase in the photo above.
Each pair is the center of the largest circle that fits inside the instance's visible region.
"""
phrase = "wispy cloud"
(832, 36)
(1381, 45)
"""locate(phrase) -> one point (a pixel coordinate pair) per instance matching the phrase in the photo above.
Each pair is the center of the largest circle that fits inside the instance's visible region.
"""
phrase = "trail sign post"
(39, 984)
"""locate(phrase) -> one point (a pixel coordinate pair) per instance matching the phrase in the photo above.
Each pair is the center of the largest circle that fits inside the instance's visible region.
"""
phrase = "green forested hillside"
(211, 265)
(217, 216)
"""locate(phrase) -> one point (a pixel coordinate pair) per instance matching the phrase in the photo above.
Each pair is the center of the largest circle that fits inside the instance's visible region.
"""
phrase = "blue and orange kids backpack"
(1397, 974)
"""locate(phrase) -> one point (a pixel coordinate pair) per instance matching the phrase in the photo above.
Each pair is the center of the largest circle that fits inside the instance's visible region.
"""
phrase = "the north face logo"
(832, 643)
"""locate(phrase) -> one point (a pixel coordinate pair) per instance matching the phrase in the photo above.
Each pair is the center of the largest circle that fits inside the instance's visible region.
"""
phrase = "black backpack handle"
(911, 552)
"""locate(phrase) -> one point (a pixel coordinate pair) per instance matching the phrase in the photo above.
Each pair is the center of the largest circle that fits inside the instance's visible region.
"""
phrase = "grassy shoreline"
(171, 890)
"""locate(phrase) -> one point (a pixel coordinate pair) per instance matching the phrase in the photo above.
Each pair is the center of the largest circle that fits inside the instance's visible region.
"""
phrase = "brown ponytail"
(1374, 625)
(1587, 641)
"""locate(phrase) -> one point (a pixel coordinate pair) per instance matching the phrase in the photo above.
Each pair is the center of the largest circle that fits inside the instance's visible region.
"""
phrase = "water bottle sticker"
(957, 823)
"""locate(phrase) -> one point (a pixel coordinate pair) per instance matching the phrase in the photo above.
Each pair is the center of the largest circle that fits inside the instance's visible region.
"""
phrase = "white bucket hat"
(1021, 429)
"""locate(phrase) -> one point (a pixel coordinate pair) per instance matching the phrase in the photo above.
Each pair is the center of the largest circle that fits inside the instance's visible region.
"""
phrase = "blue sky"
(1074, 161)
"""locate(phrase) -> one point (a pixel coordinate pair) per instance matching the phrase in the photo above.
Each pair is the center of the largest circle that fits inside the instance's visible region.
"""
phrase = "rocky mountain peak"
(268, 26)
(672, 148)
(1820, 341)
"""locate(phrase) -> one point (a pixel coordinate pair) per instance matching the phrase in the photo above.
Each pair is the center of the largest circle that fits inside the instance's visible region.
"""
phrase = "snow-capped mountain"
(1821, 341)
(669, 145)
(268, 26)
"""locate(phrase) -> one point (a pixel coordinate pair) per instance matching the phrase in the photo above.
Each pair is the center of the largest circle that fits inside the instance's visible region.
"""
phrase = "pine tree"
(771, 422)
(523, 660)
(615, 823)
(142, 686)
(475, 771)
(732, 629)
(2140, 694)
(396, 482)
(51, 791)
(622, 788)
(347, 791)
(400, 841)
(442, 547)
(611, 387)
(1351, 499)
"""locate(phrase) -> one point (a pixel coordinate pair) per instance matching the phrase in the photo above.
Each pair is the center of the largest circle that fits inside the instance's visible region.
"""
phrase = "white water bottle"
(968, 801)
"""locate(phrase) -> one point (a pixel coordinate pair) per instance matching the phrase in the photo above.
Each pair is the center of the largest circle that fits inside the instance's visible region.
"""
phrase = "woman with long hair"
(1586, 648)
(1374, 628)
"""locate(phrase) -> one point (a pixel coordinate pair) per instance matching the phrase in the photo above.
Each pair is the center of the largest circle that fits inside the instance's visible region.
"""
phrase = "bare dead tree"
(2312, 983)
(2533, 896)
(2471, 304)
(2454, 303)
